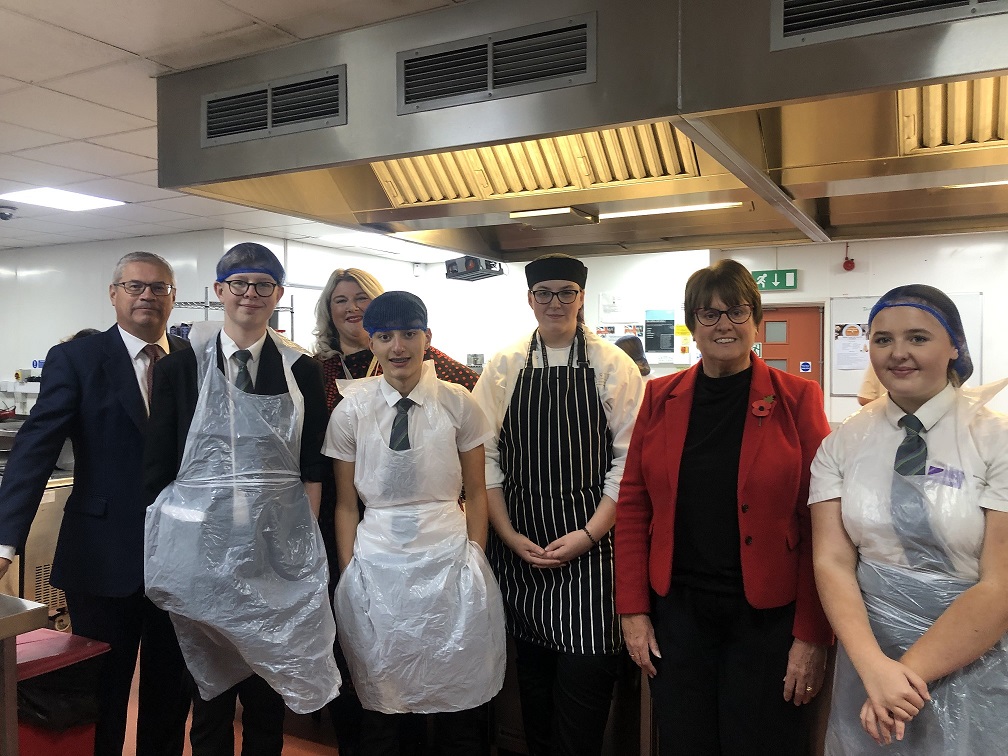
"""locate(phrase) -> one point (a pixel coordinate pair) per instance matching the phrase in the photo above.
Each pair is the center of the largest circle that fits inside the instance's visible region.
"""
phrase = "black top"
(706, 548)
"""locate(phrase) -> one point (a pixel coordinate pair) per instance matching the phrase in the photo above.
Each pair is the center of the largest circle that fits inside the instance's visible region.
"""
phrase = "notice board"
(846, 312)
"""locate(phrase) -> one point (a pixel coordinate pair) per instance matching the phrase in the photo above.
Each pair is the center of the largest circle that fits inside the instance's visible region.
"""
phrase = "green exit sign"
(776, 280)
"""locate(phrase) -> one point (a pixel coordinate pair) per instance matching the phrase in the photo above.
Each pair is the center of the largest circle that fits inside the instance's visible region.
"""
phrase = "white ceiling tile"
(139, 142)
(140, 213)
(192, 223)
(33, 172)
(261, 219)
(198, 206)
(136, 25)
(90, 157)
(6, 85)
(146, 229)
(225, 46)
(119, 189)
(147, 178)
(326, 18)
(33, 236)
(91, 219)
(128, 86)
(31, 50)
(14, 138)
(38, 108)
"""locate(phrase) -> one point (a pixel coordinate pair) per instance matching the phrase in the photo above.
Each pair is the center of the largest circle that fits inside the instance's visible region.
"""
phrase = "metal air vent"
(312, 100)
(953, 116)
(591, 159)
(536, 58)
(794, 23)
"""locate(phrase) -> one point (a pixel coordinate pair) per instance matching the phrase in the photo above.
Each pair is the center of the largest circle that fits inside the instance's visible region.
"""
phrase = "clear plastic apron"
(420, 616)
(233, 551)
(968, 711)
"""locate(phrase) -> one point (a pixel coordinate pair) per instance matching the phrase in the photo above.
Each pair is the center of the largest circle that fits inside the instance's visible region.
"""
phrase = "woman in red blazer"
(714, 580)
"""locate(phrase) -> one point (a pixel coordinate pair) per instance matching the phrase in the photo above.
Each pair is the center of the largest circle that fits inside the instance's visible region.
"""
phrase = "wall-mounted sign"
(758, 348)
(776, 280)
(805, 367)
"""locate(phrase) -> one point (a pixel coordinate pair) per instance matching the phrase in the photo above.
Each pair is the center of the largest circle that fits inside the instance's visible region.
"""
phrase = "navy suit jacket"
(89, 394)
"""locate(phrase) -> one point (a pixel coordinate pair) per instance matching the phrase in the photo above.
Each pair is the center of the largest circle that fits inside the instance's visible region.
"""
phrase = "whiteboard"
(849, 310)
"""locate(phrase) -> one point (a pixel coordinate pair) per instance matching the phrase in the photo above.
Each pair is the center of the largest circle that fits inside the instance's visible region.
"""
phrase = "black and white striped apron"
(555, 450)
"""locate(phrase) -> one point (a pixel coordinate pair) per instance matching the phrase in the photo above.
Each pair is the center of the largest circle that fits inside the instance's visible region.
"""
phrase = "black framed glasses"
(545, 296)
(239, 286)
(709, 316)
(136, 288)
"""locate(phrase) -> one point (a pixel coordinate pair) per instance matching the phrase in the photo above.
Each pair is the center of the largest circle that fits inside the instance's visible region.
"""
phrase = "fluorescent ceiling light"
(390, 246)
(971, 186)
(519, 214)
(667, 210)
(59, 199)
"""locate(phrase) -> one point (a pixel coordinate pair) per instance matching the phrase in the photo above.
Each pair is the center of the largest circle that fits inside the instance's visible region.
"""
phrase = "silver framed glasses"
(239, 286)
(136, 288)
(545, 296)
(709, 316)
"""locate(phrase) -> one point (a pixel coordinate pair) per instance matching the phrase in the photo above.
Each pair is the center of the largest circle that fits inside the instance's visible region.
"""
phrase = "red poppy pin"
(761, 407)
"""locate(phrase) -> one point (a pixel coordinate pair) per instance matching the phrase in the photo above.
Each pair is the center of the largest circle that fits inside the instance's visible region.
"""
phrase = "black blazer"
(173, 404)
(89, 394)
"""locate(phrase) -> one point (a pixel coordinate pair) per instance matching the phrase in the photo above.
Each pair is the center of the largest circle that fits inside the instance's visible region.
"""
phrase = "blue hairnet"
(936, 303)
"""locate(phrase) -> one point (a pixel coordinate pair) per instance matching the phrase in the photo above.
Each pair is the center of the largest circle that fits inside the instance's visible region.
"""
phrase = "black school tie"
(243, 380)
(399, 438)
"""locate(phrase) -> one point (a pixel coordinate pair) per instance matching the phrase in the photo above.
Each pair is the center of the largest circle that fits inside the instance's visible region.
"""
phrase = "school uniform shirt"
(874, 432)
(617, 379)
(381, 398)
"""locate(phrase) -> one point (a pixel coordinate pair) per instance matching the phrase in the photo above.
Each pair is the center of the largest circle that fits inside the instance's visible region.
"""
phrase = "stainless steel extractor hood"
(440, 127)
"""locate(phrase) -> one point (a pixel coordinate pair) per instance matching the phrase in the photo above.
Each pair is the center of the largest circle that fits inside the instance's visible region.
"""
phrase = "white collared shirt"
(228, 349)
(374, 397)
(135, 348)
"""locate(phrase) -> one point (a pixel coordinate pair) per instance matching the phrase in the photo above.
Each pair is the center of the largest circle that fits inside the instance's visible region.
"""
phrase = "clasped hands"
(896, 694)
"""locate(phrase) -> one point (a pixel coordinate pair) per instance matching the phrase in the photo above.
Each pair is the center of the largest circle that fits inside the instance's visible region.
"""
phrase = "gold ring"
(808, 688)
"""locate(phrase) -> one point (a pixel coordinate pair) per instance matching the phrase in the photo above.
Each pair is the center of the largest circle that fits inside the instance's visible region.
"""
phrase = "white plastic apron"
(966, 714)
(233, 550)
(419, 613)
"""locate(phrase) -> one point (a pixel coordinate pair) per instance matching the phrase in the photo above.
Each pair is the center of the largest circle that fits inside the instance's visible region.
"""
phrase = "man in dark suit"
(95, 392)
(249, 284)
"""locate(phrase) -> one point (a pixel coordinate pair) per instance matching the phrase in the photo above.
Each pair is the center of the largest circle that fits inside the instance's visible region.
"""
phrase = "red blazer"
(775, 525)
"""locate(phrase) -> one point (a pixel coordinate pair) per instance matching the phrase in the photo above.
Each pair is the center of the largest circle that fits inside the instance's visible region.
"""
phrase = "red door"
(790, 339)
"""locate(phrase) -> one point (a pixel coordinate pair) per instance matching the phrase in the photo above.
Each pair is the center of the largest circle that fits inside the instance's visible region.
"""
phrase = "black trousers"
(127, 624)
(456, 733)
(263, 712)
(720, 683)
(565, 699)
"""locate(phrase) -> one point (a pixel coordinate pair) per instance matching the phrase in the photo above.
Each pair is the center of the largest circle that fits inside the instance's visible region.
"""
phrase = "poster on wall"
(618, 309)
(659, 331)
(611, 333)
(850, 346)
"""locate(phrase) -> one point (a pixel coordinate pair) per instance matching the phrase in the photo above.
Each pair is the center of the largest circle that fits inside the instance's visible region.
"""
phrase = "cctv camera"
(7, 212)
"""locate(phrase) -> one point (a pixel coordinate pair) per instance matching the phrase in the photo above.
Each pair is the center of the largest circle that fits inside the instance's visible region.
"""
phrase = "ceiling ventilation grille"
(593, 159)
(536, 58)
(313, 100)
(804, 22)
(953, 116)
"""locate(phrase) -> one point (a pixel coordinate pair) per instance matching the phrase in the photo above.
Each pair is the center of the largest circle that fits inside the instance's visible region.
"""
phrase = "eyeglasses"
(709, 316)
(136, 288)
(545, 296)
(239, 287)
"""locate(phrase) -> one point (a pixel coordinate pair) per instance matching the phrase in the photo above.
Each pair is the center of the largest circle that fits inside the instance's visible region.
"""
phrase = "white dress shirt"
(135, 348)
(228, 349)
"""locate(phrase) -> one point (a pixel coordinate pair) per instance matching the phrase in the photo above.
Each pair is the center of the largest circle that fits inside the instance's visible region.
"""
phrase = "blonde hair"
(327, 341)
